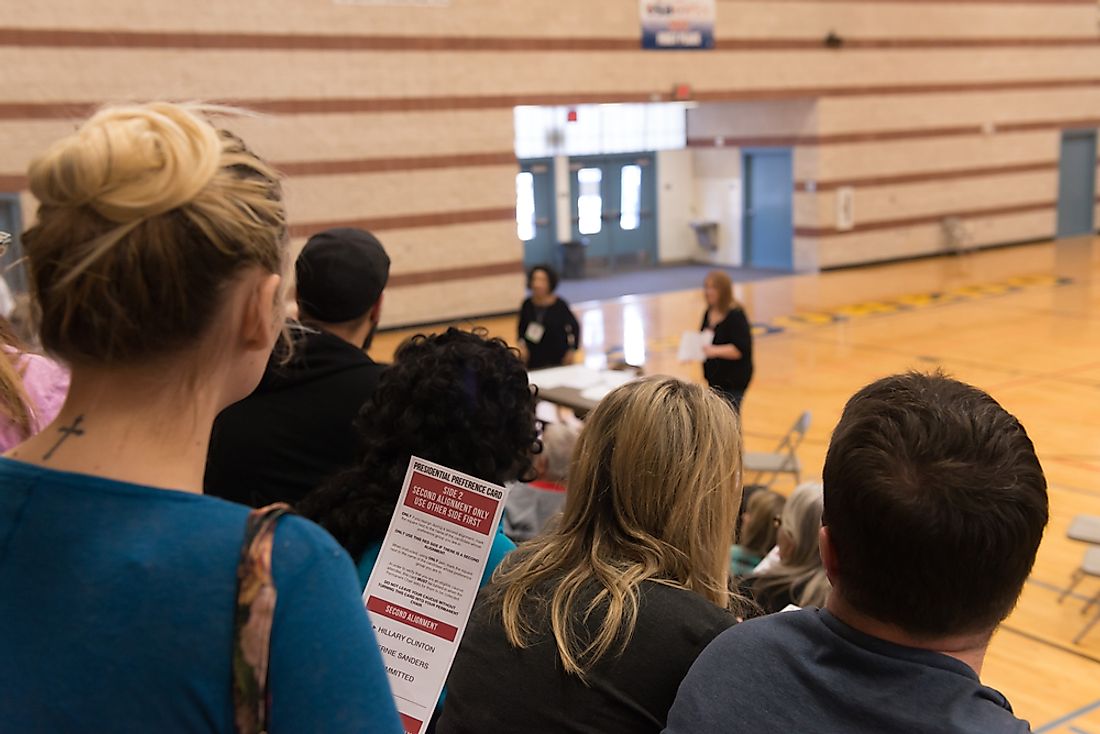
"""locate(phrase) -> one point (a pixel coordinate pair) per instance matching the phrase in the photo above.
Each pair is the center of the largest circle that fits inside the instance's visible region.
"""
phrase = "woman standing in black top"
(728, 367)
(548, 331)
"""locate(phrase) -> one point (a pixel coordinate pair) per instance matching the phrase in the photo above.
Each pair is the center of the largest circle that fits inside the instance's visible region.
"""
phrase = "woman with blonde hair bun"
(156, 264)
(592, 626)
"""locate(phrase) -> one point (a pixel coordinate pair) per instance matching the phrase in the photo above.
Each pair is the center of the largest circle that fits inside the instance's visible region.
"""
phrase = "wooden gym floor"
(1022, 323)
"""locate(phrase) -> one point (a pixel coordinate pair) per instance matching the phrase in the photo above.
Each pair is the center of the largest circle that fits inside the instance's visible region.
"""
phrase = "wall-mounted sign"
(845, 208)
(678, 24)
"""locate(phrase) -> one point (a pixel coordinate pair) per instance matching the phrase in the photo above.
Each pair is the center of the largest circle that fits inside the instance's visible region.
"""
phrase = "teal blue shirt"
(501, 547)
(117, 605)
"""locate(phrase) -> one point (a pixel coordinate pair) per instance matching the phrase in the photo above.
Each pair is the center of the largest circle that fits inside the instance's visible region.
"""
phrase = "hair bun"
(130, 162)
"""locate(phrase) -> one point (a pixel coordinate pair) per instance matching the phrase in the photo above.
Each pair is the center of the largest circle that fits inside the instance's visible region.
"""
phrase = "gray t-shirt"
(807, 671)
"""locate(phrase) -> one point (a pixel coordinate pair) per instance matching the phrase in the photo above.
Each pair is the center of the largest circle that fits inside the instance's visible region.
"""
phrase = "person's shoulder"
(39, 362)
(769, 635)
(737, 313)
(683, 608)
(502, 545)
(38, 367)
(301, 543)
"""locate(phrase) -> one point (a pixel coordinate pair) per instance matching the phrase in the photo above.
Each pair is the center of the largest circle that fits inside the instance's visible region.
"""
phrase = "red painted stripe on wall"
(78, 109)
(130, 39)
(409, 221)
(926, 219)
(879, 136)
(399, 280)
(926, 176)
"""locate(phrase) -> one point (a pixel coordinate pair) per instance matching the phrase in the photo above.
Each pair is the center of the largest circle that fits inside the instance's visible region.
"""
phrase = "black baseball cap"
(341, 273)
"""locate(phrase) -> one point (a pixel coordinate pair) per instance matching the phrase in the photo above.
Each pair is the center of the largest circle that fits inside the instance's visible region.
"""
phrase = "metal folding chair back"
(1090, 566)
(784, 460)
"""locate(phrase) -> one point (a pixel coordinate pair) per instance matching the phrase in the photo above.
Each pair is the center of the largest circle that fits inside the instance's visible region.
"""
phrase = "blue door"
(769, 223)
(615, 209)
(1077, 183)
(535, 223)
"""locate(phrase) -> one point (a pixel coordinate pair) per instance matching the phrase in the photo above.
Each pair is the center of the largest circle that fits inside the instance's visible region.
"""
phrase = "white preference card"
(692, 343)
(421, 592)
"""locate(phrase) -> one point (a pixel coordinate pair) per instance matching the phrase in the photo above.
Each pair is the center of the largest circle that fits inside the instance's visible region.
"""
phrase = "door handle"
(610, 216)
(544, 222)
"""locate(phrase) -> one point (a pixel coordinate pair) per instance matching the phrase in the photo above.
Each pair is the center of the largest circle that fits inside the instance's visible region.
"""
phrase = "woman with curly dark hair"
(458, 399)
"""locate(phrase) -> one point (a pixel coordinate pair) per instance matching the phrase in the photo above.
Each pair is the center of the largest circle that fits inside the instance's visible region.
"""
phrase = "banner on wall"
(678, 24)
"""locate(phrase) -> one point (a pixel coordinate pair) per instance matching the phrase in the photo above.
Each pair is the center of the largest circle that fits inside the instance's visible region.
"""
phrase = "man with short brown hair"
(935, 504)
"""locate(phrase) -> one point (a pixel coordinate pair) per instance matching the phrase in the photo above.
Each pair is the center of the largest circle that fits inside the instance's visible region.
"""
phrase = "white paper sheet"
(422, 589)
(692, 343)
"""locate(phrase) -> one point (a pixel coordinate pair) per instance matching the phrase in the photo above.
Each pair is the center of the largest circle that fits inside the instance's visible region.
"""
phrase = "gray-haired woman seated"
(799, 577)
(592, 626)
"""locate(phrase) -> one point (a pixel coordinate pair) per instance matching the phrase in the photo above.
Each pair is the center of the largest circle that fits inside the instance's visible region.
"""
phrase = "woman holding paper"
(600, 617)
(727, 342)
(457, 399)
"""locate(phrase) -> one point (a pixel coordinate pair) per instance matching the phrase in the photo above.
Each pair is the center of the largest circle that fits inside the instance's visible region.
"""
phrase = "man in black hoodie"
(297, 429)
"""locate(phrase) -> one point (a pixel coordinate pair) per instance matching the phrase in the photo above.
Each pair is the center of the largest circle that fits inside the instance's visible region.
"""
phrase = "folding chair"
(1085, 528)
(1090, 566)
(781, 461)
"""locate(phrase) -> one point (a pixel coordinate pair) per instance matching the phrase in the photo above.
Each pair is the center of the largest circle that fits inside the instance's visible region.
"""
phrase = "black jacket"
(495, 688)
(297, 429)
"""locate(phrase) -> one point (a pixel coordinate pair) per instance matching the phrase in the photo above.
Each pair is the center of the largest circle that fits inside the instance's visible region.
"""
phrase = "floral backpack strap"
(252, 625)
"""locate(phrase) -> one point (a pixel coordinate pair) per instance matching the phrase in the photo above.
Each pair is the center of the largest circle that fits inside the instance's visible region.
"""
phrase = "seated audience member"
(759, 528)
(601, 616)
(531, 505)
(32, 389)
(298, 428)
(935, 504)
(156, 263)
(799, 577)
(457, 399)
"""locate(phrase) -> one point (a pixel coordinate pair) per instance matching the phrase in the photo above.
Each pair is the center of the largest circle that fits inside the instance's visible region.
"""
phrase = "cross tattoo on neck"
(66, 431)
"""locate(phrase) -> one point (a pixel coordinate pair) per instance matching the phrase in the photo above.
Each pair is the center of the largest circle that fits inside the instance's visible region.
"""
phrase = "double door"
(614, 210)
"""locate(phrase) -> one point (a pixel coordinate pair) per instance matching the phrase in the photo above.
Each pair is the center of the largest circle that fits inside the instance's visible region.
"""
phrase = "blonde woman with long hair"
(592, 626)
(799, 577)
(156, 262)
(758, 531)
(728, 366)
